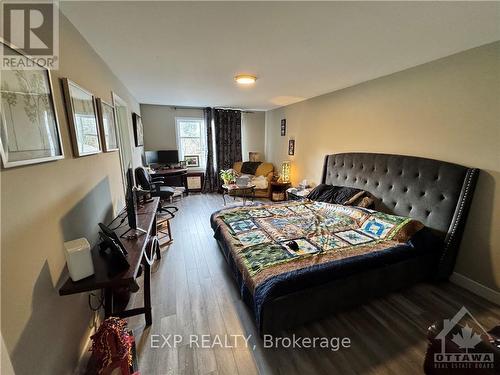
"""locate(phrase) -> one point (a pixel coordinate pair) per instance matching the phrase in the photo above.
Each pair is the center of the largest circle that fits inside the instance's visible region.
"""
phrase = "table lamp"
(285, 171)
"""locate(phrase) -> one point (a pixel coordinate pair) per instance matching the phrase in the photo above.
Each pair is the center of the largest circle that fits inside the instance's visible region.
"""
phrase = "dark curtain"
(210, 182)
(227, 137)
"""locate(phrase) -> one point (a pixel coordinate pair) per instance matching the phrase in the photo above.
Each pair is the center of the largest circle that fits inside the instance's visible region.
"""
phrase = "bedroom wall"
(159, 128)
(448, 109)
(253, 133)
(44, 205)
(159, 125)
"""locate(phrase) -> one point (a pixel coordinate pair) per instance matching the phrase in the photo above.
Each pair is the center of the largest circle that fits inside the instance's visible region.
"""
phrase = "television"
(168, 157)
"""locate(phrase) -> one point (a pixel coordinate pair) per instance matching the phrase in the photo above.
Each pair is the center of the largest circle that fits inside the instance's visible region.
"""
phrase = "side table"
(278, 190)
(233, 189)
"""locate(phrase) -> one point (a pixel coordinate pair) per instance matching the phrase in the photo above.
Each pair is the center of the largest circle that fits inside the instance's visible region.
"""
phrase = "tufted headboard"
(434, 192)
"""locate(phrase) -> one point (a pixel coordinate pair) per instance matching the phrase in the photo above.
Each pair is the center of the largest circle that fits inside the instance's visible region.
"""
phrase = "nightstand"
(278, 190)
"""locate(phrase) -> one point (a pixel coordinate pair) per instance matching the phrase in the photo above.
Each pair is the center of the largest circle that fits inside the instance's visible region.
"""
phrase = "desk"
(174, 176)
(140, 253)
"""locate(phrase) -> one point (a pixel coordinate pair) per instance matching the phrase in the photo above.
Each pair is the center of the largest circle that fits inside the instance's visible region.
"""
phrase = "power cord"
(94, 322)
(100, 299)
(120, 223)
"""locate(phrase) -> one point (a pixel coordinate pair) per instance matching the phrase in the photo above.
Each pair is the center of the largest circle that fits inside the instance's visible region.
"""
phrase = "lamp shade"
(285, 171)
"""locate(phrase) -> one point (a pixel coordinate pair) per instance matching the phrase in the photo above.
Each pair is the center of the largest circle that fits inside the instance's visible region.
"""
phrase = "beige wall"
(253, 133)
(159, 128)
(448, 109)
(159, 125)
(44, 205)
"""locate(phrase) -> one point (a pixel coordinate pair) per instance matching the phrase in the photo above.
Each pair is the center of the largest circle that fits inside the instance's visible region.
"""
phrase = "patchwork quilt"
(259, 236)
(281, 241)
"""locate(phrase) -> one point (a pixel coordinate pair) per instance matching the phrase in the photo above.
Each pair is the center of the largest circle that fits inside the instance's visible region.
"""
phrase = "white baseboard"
(476, 288)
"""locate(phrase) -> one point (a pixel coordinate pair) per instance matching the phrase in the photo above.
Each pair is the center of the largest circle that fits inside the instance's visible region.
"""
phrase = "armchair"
(264, 169)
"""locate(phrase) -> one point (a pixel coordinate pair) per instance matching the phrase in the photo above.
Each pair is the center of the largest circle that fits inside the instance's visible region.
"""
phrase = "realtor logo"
(32, 28)
(466, 340)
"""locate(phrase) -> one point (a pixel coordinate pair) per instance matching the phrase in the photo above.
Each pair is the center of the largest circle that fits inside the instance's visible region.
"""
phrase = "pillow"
(318, 191)
(363, 200)
(250, 167)
(342, 195)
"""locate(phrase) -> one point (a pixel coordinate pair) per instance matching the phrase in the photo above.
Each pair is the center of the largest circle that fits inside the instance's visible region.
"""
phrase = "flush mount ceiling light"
(245, 79)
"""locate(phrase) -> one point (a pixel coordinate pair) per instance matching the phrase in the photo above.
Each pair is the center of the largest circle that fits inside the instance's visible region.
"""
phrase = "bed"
(342, 256)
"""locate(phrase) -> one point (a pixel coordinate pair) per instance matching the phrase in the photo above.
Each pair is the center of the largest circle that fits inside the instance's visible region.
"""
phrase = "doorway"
(124, 136)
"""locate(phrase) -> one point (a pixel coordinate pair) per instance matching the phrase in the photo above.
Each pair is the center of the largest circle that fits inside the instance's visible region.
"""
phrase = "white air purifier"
(79, 259)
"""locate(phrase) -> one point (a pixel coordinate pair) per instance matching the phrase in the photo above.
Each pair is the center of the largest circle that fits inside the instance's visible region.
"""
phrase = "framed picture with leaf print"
(29, 127)
(107, 125)
(82, 117)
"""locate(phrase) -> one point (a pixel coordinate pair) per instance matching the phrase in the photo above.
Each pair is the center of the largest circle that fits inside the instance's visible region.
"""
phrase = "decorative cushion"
(250, 167)
(263, 170)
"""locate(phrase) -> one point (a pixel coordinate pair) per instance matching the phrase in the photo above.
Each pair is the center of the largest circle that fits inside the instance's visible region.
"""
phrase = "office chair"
(156, 187)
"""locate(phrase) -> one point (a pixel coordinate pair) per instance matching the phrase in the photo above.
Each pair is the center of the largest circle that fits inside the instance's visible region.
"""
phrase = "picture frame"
(29, 127)
(138, 130)
(107, 125)
(291, 147)
(82, 117)
(283, 127)
(192, 161)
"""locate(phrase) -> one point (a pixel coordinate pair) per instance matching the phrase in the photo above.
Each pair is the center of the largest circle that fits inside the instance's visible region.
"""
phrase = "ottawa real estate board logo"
(460, 344)
(30, 35)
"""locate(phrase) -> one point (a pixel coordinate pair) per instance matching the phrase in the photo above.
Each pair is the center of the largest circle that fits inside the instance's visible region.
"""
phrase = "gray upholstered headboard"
(434, 192)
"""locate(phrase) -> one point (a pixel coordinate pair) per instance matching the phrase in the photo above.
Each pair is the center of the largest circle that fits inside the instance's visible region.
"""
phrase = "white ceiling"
(186, 54)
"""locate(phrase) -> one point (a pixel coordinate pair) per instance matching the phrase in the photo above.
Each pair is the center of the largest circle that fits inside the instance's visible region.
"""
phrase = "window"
(191, 138)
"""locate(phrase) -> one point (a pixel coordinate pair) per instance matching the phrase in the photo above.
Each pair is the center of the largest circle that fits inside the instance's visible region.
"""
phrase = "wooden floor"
(193, 293)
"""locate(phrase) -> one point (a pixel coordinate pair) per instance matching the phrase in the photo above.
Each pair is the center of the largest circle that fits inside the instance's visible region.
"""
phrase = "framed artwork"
(138, 130)
(192, 161)
(29, 128)
(107, 125)
(82, 117)
(253, 156)
(283, 127)
(291, 147)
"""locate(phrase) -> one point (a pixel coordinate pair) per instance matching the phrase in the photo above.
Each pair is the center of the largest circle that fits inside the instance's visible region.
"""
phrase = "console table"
(141, 251)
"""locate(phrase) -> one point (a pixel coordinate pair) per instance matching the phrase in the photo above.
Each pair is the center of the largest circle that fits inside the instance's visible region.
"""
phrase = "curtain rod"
(235, 109)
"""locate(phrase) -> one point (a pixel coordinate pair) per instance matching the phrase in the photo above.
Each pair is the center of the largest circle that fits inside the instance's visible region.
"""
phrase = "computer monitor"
(152, 157)
(130, 200)
(131, 203)
(168, 157)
